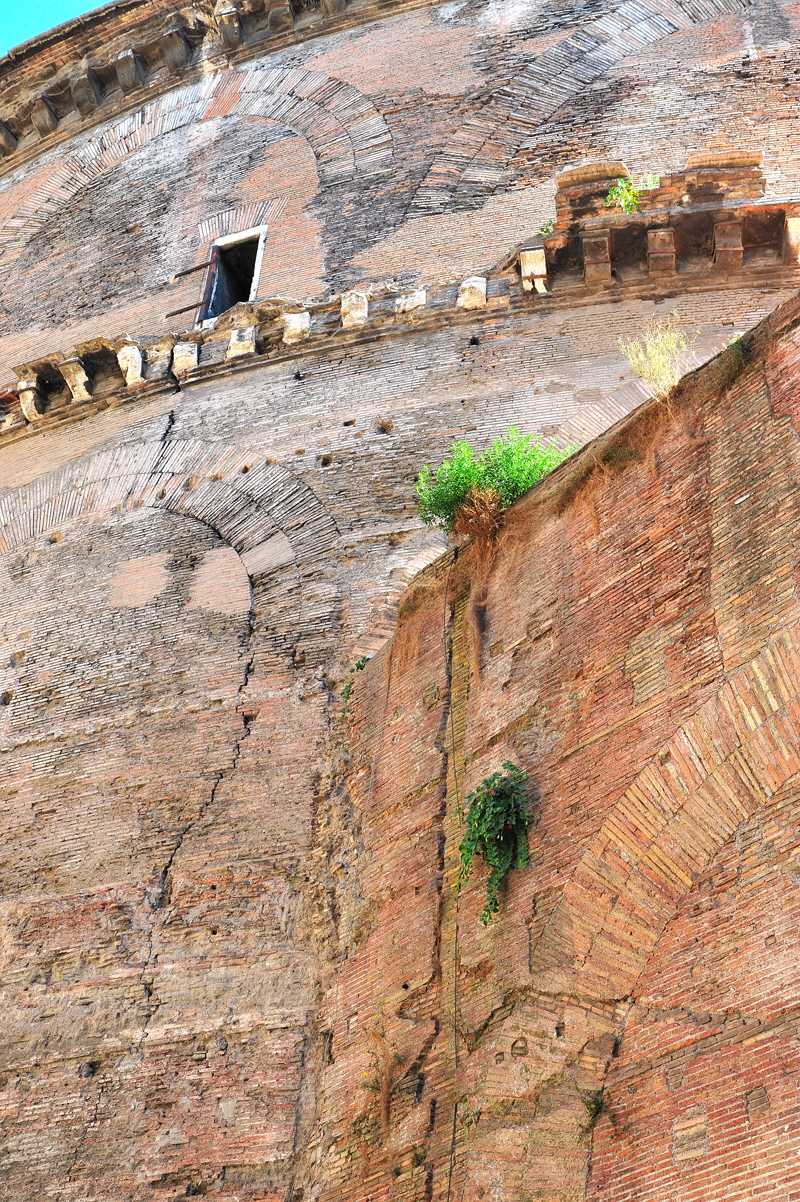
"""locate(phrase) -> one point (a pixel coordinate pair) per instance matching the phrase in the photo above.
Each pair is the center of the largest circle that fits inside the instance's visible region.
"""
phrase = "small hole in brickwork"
(405, 985)
(298, 375)
(5, 698)
(384, 425)
(213, 930)
(351, 421)
(88, 1070)
(500, 1057)
(474, 340)
(301, 451)
(519, 1047)
(245, 469)
(55, 537)
(325, 460)
(615, 1048)
(559, 1030)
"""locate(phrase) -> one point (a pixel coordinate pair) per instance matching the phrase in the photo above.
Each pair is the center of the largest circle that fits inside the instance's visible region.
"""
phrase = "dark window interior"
(233, 277)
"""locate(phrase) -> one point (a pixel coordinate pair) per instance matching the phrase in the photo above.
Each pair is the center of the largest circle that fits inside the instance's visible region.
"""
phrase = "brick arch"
(721, 766)
(245, 499)
(472, 167)
(347, 134)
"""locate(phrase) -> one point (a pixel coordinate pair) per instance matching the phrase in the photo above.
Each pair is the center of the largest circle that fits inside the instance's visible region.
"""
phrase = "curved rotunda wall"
(225, 908)
(420, 165)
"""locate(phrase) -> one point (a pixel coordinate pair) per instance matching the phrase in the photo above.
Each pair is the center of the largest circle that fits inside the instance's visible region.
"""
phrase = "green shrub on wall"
(467, 493)
(497, 829)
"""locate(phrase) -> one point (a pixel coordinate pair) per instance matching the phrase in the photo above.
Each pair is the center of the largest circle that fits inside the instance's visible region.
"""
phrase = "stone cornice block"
(129, 71)
(184, 358)
(296, 327)
(241, 342)
(472, 293)
(85, 93)
(176, 51)
(43, 118)
(411, 301)
(8, 143)
(129, 358)
(76, 377)
(30, 399)
(355, 309)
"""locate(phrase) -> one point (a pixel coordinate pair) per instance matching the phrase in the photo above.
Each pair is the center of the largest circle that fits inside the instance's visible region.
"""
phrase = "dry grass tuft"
(480, 516)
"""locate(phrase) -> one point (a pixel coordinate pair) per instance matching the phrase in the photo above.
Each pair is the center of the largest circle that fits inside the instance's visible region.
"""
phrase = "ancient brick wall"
(627, 1026)
(231, 959)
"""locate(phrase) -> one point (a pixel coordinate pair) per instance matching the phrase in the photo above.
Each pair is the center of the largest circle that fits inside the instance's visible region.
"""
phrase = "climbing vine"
(497, 829)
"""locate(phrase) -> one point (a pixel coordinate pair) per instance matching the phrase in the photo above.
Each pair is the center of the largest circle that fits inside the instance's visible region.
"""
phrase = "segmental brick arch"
(472, 166)
(347, 134)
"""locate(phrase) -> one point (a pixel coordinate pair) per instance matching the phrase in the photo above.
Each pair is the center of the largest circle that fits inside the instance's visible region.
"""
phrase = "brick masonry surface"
(232, 960)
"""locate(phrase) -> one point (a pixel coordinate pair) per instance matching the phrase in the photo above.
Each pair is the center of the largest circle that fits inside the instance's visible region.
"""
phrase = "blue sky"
(20, 20)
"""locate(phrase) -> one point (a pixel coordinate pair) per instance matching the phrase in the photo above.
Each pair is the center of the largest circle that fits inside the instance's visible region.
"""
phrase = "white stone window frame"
(225, 240)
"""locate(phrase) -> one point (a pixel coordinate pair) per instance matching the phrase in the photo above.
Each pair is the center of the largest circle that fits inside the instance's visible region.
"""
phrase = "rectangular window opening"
(234, 273)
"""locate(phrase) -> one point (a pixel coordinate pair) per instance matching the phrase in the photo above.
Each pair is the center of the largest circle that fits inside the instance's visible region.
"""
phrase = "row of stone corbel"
(142, 364)
(175, 49)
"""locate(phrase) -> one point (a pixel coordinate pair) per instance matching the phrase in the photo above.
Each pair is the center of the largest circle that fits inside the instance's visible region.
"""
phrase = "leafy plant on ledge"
(497, 829)
(627, 195)
(468, 494)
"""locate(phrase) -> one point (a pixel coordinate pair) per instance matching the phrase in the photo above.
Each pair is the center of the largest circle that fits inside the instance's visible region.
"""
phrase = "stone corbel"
(8, 143)
(661, 252)
(472, 293)
(78, 381)
(597, 258)
(31, 401)
(533, 268)
(241, 342)
(176, 51)
(10, 413)
(229, 26)
(355, 309)
(280, 18)
(129, 71)
(728, 249)
(129, 357)
(184, 358)
(791, 236)
(296, 327)
(85, 93)
(43, 118)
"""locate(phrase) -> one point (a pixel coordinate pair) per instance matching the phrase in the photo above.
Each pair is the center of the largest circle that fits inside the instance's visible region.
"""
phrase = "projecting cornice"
(111, 61)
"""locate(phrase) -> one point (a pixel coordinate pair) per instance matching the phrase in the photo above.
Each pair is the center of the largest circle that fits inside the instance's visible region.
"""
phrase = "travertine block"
(74, 373)
(791, 240)
(184, 358)
(43, 118)
(30, 399)
(533, 268)
(355, 308)
(129, 71)
(296, 327)
(728, 249)
(472, 293)
(242, 342)
(8, 143)
(412, 300)
(129, 358)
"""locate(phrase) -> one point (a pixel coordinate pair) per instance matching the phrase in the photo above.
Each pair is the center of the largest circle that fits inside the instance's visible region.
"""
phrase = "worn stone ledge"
(42, 397)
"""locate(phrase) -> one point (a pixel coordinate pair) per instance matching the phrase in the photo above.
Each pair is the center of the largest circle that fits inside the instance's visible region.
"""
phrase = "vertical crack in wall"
(159, 896)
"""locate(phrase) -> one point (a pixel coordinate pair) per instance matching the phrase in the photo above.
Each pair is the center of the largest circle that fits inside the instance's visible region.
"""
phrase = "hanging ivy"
(497, 829)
